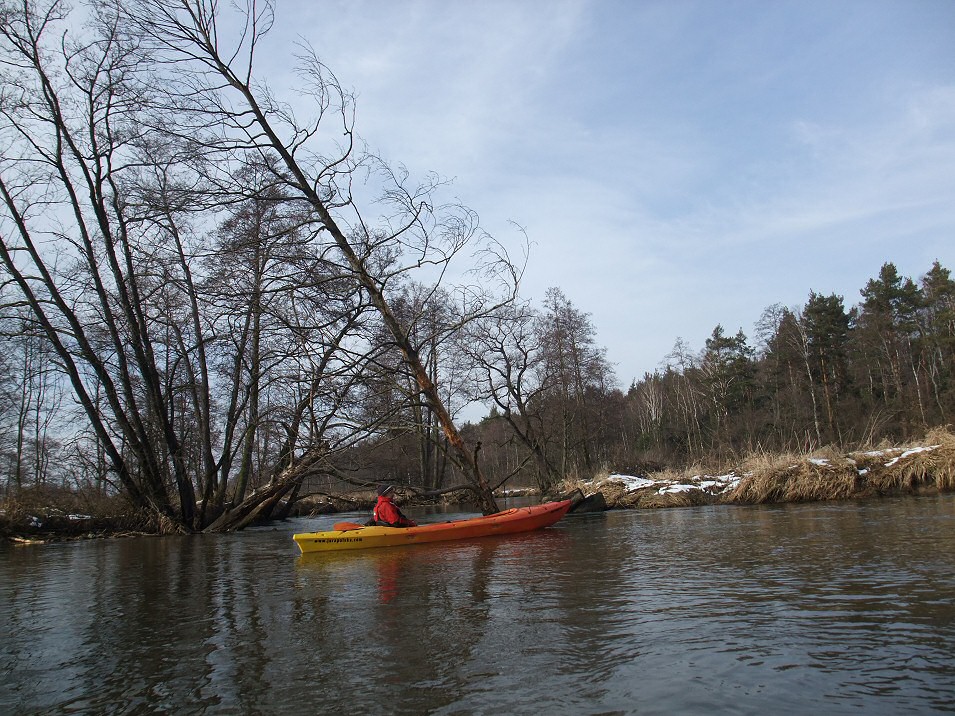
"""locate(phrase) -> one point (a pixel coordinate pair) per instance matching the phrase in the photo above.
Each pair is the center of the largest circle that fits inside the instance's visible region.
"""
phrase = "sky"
(675, 165)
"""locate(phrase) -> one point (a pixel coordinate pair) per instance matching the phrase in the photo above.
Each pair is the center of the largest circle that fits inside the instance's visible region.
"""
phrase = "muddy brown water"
(837, 608)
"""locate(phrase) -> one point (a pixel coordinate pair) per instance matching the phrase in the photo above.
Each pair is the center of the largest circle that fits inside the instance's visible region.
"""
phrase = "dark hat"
(385, 489)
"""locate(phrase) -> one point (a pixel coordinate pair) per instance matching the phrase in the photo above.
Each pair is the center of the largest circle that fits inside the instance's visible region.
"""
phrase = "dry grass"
(928, 465)
(911, 469)
(653, 499)
(925, 466)
(669, 475)
(794, 478)
(616, 494)
(765, 478)
(52, 512)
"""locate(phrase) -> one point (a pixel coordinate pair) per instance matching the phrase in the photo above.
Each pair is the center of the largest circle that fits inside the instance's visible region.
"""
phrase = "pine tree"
(889, 333)
(938, 323)
(827, 335)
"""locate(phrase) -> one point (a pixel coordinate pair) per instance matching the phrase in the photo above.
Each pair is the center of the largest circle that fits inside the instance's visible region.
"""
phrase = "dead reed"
(925, 466)
(928, 465)
(689, 498)
(794, 478)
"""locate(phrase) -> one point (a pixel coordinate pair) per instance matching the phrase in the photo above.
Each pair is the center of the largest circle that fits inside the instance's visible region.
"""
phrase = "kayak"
(347, 535)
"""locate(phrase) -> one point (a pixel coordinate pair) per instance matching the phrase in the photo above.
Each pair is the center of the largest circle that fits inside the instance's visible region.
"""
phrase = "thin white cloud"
(440, 84)
(676, 165)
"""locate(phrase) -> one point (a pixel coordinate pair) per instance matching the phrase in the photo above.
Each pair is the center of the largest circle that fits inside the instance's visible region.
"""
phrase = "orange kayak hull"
(518, 519)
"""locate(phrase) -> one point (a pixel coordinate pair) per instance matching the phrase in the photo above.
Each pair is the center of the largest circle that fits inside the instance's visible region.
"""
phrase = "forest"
(817, 375)
(215, 300)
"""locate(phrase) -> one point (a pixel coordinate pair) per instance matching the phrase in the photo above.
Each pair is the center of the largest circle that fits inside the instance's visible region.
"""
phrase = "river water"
(841, 608)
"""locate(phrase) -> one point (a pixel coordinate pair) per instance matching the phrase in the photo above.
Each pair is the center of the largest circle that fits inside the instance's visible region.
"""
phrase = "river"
(834, 608)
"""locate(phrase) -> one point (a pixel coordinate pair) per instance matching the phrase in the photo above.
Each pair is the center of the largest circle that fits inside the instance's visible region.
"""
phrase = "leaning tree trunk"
(260, 504)
(188, 29)
(464, 458)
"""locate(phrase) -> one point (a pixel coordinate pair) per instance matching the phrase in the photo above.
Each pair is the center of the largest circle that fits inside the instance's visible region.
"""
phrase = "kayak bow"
(518, 519)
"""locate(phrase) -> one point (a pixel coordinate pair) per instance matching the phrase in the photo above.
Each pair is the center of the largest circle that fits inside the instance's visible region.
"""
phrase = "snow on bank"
(882, 454)
(713, 485)
(719, 484)
(913, 451)
(632, 484)
(903, 454)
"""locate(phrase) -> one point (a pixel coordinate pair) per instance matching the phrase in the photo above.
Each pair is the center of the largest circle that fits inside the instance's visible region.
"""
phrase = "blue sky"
(675, 164)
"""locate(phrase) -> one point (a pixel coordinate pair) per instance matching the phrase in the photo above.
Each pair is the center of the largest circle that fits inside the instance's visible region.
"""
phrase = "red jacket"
(387, 514)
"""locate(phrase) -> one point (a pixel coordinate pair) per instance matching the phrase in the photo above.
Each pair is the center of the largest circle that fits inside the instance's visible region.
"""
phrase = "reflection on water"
(837, 608)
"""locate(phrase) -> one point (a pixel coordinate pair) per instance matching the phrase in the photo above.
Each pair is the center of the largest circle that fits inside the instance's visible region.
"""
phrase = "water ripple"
(829, 608)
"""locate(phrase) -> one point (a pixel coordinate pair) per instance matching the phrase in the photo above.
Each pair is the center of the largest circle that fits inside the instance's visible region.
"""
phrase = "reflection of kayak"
(518, 519)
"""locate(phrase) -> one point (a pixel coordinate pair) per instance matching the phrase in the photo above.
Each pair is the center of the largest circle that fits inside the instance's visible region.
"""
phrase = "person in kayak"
(386, 512)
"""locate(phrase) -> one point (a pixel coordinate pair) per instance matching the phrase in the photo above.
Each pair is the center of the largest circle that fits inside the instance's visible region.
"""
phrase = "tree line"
(213, 281)
(212, 296)
(822, 374)
(818, 375)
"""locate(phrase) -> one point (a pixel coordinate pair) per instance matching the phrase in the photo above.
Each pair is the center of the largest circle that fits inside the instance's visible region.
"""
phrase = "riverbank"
(922, 467)
(47, 514)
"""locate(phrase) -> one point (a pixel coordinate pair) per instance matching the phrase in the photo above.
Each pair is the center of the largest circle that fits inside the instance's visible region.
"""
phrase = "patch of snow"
(78, 517)
(818, 461)
(630, 482)
(711, 484)
(676, 488)
(703, 483)
(721, 483)
(909, 453)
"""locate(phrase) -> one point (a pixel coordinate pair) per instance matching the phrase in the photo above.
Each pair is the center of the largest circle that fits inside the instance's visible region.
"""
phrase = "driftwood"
(260, 504)
(592, 503)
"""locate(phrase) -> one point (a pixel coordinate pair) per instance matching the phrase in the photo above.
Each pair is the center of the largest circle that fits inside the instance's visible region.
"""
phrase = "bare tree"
(508, 358)
(683, 369)
(105, 237)
(211, 82)
(577, 368)
(66, 238)
(198, 261)
(37, 400)
(544, 373)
